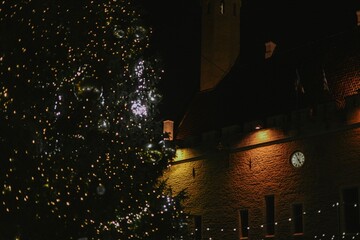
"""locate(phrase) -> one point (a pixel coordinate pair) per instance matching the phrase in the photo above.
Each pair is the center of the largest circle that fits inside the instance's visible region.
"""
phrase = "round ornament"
(153, 156)
(88, 88)
(103, 125)
(118, 33)
(139, 32)
(100, 190)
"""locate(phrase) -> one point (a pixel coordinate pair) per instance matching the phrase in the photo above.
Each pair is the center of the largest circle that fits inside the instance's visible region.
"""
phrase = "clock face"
(297, 159)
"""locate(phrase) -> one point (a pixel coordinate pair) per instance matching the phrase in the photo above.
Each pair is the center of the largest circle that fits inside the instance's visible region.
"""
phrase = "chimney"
(269, 49)
(168, 127)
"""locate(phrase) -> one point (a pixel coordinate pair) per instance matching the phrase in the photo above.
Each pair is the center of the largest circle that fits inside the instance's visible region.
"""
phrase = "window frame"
(197, 230)
(295, 215)
(270, 215)
(241, 226)
(347, 209)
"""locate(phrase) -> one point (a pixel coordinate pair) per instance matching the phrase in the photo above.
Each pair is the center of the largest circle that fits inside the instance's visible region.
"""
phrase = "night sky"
(176, 36)
(290, 24)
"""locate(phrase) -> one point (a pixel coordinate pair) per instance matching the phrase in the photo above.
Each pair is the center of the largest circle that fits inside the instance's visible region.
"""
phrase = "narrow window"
(351, 210)
(270, 215)
(298, 218)
(244, 223)
(222, 6)
(234, 9)
(208, 8)
(197, 224)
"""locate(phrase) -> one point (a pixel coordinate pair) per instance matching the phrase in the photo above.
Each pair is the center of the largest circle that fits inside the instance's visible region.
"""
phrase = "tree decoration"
(100, 189)
(78, 105)
(88, 88)
(103, 125)
(118, 32)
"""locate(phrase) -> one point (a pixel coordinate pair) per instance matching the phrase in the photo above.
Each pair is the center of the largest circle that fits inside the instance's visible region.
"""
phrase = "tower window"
(222, 6)
(351, 210)
(208, 7)
(297, 210)
(270, 215)
(244, 223)
(234, 9)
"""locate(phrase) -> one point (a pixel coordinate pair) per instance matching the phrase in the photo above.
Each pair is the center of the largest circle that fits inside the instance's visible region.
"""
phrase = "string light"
(322, 236)
(78, 101)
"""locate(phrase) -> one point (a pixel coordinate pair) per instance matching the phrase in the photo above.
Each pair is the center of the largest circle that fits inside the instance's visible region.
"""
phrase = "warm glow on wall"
(186, 153)
(354, 117)
(263, 135)
(260, 136)
(353, 111)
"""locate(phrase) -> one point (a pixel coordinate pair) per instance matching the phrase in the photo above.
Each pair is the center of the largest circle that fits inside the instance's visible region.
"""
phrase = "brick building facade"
(250, 182)
(235, 148)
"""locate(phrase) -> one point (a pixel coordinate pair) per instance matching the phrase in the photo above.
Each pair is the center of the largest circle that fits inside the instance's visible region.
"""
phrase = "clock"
(297, 159)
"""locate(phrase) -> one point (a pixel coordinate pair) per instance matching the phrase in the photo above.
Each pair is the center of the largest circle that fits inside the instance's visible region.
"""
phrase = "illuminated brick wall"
(251, 164)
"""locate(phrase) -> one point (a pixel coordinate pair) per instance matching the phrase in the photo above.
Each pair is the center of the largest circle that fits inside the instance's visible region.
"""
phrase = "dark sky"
(290, 24)
(176, 35)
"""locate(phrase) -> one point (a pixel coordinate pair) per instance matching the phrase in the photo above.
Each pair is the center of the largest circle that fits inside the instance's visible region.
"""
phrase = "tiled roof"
(267, 88)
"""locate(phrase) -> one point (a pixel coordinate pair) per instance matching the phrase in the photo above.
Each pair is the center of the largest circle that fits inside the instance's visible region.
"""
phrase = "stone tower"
(220, 40)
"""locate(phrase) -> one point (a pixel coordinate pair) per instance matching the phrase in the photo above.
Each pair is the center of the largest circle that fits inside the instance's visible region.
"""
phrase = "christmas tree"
(82, 148)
